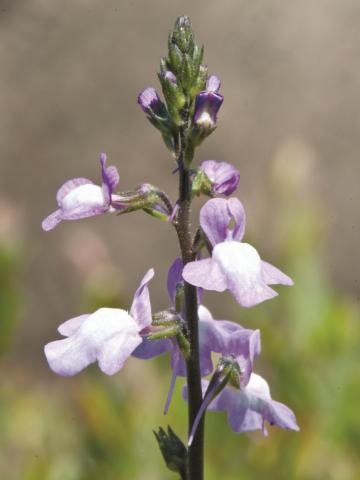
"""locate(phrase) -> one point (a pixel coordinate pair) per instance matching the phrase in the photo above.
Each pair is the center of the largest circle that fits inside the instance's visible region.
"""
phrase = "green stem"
(196, 450)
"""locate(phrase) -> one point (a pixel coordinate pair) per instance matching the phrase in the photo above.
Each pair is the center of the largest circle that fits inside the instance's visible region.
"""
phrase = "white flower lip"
(86, 195)
(239, 259)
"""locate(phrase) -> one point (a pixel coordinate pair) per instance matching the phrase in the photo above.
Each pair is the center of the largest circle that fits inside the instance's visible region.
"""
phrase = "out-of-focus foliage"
(10, 302)
(10, 296)
(91, 426)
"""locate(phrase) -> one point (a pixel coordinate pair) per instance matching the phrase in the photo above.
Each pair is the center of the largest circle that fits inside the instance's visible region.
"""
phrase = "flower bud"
(157, 114)
(182, 35)
(223, 178)
(173, 450)
(207, 105)
(150, 102)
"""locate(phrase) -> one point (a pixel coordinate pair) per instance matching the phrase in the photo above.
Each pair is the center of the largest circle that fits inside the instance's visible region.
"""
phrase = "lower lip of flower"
(88, 194)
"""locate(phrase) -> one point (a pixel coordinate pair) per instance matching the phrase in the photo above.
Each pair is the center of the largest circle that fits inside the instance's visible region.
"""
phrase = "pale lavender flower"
(218, 336)
(223, 176)
(108, 336)
(208, 103)
(80, 198)
(234, 265)
(250, 407)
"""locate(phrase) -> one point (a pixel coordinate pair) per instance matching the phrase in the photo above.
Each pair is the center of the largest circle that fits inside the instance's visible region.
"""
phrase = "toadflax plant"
(186, 329)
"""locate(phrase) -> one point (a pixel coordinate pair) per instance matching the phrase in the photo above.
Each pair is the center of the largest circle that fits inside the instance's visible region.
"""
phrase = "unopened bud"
(173, 451)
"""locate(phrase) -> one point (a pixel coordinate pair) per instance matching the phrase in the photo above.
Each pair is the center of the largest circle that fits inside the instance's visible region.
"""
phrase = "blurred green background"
(70, 74)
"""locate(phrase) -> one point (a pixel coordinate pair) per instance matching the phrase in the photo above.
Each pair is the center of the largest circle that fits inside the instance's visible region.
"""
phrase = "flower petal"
(152, 348)
(213, 84)
(272, 275)
(241, 267)
(150, 102)
(68, 186)
(207, 105)
(206, 274)
(110, 178)
(141, 306)
(83, 201)
(95, 340)
(71, 326)
(227, 338)
(68, 357)
(51, 221)
(174, 278)
(216, 217)
(248, 408)
(116, 350)
(178, 369)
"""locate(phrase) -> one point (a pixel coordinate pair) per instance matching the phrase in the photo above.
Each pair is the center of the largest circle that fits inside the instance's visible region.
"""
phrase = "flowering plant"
(186, 330)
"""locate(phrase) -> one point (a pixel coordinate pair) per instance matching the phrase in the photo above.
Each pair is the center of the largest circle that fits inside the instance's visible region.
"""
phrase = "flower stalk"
(196, 450)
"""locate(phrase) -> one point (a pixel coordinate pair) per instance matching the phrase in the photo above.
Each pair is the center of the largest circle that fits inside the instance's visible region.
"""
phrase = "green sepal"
(156, 214)
(198, 56)
(175, 99)
(169, 141)
(165, 318)
(201, 184)
(164, 65)
(229, 369)
(199, 133)
(165, 125)
(175, 57)
(186, 73)
(171, 331)
(184, 345)
(199, 84)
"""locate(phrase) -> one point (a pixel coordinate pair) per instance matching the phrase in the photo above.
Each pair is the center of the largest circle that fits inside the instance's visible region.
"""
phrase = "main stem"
(196, 451)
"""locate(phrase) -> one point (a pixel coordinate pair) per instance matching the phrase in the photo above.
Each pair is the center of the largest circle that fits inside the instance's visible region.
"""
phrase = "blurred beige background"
(69, 78)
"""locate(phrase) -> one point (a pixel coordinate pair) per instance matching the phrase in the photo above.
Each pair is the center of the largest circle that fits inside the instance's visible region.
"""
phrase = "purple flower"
(150, 102)
(108, 336)
(80, 198)
(208, 103)
(234, 265)
(223, 176)
(218, 336)
(250, 407)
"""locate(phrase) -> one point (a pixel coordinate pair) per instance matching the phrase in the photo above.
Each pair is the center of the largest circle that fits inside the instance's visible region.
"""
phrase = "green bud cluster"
(184, 61)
